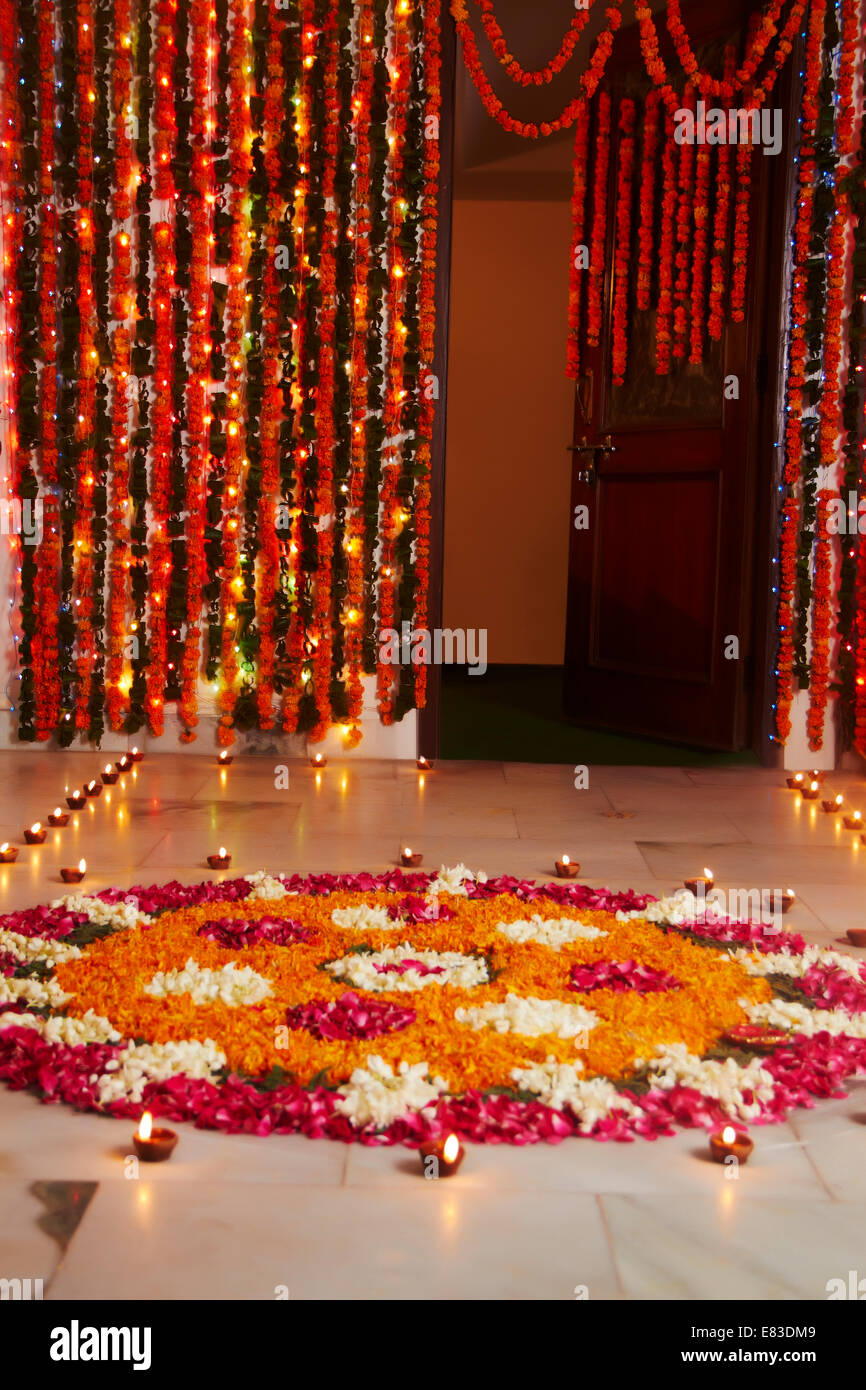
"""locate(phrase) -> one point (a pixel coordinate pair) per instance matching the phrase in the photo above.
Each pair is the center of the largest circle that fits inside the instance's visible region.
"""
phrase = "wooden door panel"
(654, 608)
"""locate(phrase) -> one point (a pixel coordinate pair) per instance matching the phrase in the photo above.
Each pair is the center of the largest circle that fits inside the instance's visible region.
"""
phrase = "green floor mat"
(514, 714)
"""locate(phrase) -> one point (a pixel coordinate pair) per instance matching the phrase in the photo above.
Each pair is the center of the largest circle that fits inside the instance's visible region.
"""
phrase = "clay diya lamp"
(566, 867)
(221, 860)
(410, 858)
(136, 755)
(153, 1144)
(76, 800)
(811, 792)
(857, 936)
(93, 789)
(58, 817)
(318, 760)
(834, 806)
(730, 1142)
(36, 834)
(796, 782)
(8, 853)
(225, 758)
(755, 1036)
(74, 875)
(124, 764)
(706, 879)
(854, 821)
(448, 1153)
(423, 764)
(782, 901)
(109, 776)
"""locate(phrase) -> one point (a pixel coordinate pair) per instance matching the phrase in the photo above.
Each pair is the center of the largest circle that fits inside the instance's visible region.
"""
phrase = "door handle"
(589, 474)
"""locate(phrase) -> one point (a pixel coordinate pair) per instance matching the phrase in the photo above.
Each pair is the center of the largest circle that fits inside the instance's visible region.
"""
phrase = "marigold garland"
(577, 269)
(665, 307)
(646, 246)
(622, 250)
(598, 235)
(540, 76)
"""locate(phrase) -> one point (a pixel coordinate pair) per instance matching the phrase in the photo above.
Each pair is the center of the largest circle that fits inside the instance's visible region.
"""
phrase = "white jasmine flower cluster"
(27, 948)
(40, 993)
(455, 880)
(228, 985)
(560, 1085)
(377, 1095)
(118, 916)
(794, 966)
(551, 931)
(364, 917)
(531, 1017)
(59, 1028)
(443, 968)
(724, 1081)
(674, 910)
(265, 886)
(783, 1013)
(127, 1076)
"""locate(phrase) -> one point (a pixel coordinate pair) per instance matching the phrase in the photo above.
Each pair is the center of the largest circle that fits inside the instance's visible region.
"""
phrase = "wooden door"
(662, 578)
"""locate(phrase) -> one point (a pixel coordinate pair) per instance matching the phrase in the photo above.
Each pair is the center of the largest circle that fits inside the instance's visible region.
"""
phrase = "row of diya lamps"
(440, 1157)
(809, 787)
(36, 833)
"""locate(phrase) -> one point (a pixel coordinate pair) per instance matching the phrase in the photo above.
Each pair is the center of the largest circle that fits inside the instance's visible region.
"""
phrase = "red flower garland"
(622, 251)
(797, 355)
(701, 213)
(686, 198)
(525, 77)
(664, 309)
(323, 610)
(355, 527)
(721, 221)
(240, 164)
(589, 79)
(119, 565)
(390, 503)
(164, 142)
(272, 397)
(45, 645)
(201, 205)
(577, 271)
(427, 324)
(819, 682)
(598, 238)
(649, 151)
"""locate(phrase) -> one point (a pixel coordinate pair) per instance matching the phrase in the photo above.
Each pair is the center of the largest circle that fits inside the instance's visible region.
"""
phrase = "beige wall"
(507, 478)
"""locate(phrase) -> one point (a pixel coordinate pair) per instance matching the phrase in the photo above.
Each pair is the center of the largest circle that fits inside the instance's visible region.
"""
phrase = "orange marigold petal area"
(111, 975)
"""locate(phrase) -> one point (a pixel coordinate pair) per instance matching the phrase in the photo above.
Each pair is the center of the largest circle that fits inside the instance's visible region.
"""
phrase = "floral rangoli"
(386, 1009)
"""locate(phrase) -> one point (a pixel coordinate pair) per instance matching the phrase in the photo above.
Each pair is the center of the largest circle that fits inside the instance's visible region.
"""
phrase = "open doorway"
(512, 565)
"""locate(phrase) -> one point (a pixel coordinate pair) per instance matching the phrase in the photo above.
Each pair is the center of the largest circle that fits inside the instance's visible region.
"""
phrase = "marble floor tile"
(27, 1250)
(435, 1241)
(733, 1247)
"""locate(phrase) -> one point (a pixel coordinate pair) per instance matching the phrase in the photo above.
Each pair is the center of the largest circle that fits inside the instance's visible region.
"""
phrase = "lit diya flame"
(57, 811)
(729, 1134)
(223, 852)
(36, 827)
(145, 1126)
(90, 786)
(82, 866)
(708, 875)
(4, 847)
(108, 768)
(451, 1148)
(565, 859)
(223, 756)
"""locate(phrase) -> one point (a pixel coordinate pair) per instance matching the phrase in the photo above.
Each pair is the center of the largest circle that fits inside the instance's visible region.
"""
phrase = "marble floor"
(233, 1217)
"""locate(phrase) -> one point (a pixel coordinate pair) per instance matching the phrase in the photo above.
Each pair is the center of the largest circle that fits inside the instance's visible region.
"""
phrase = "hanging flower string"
(622, 251)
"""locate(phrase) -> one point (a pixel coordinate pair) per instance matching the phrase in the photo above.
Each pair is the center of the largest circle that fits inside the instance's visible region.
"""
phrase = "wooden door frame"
(766, 431)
